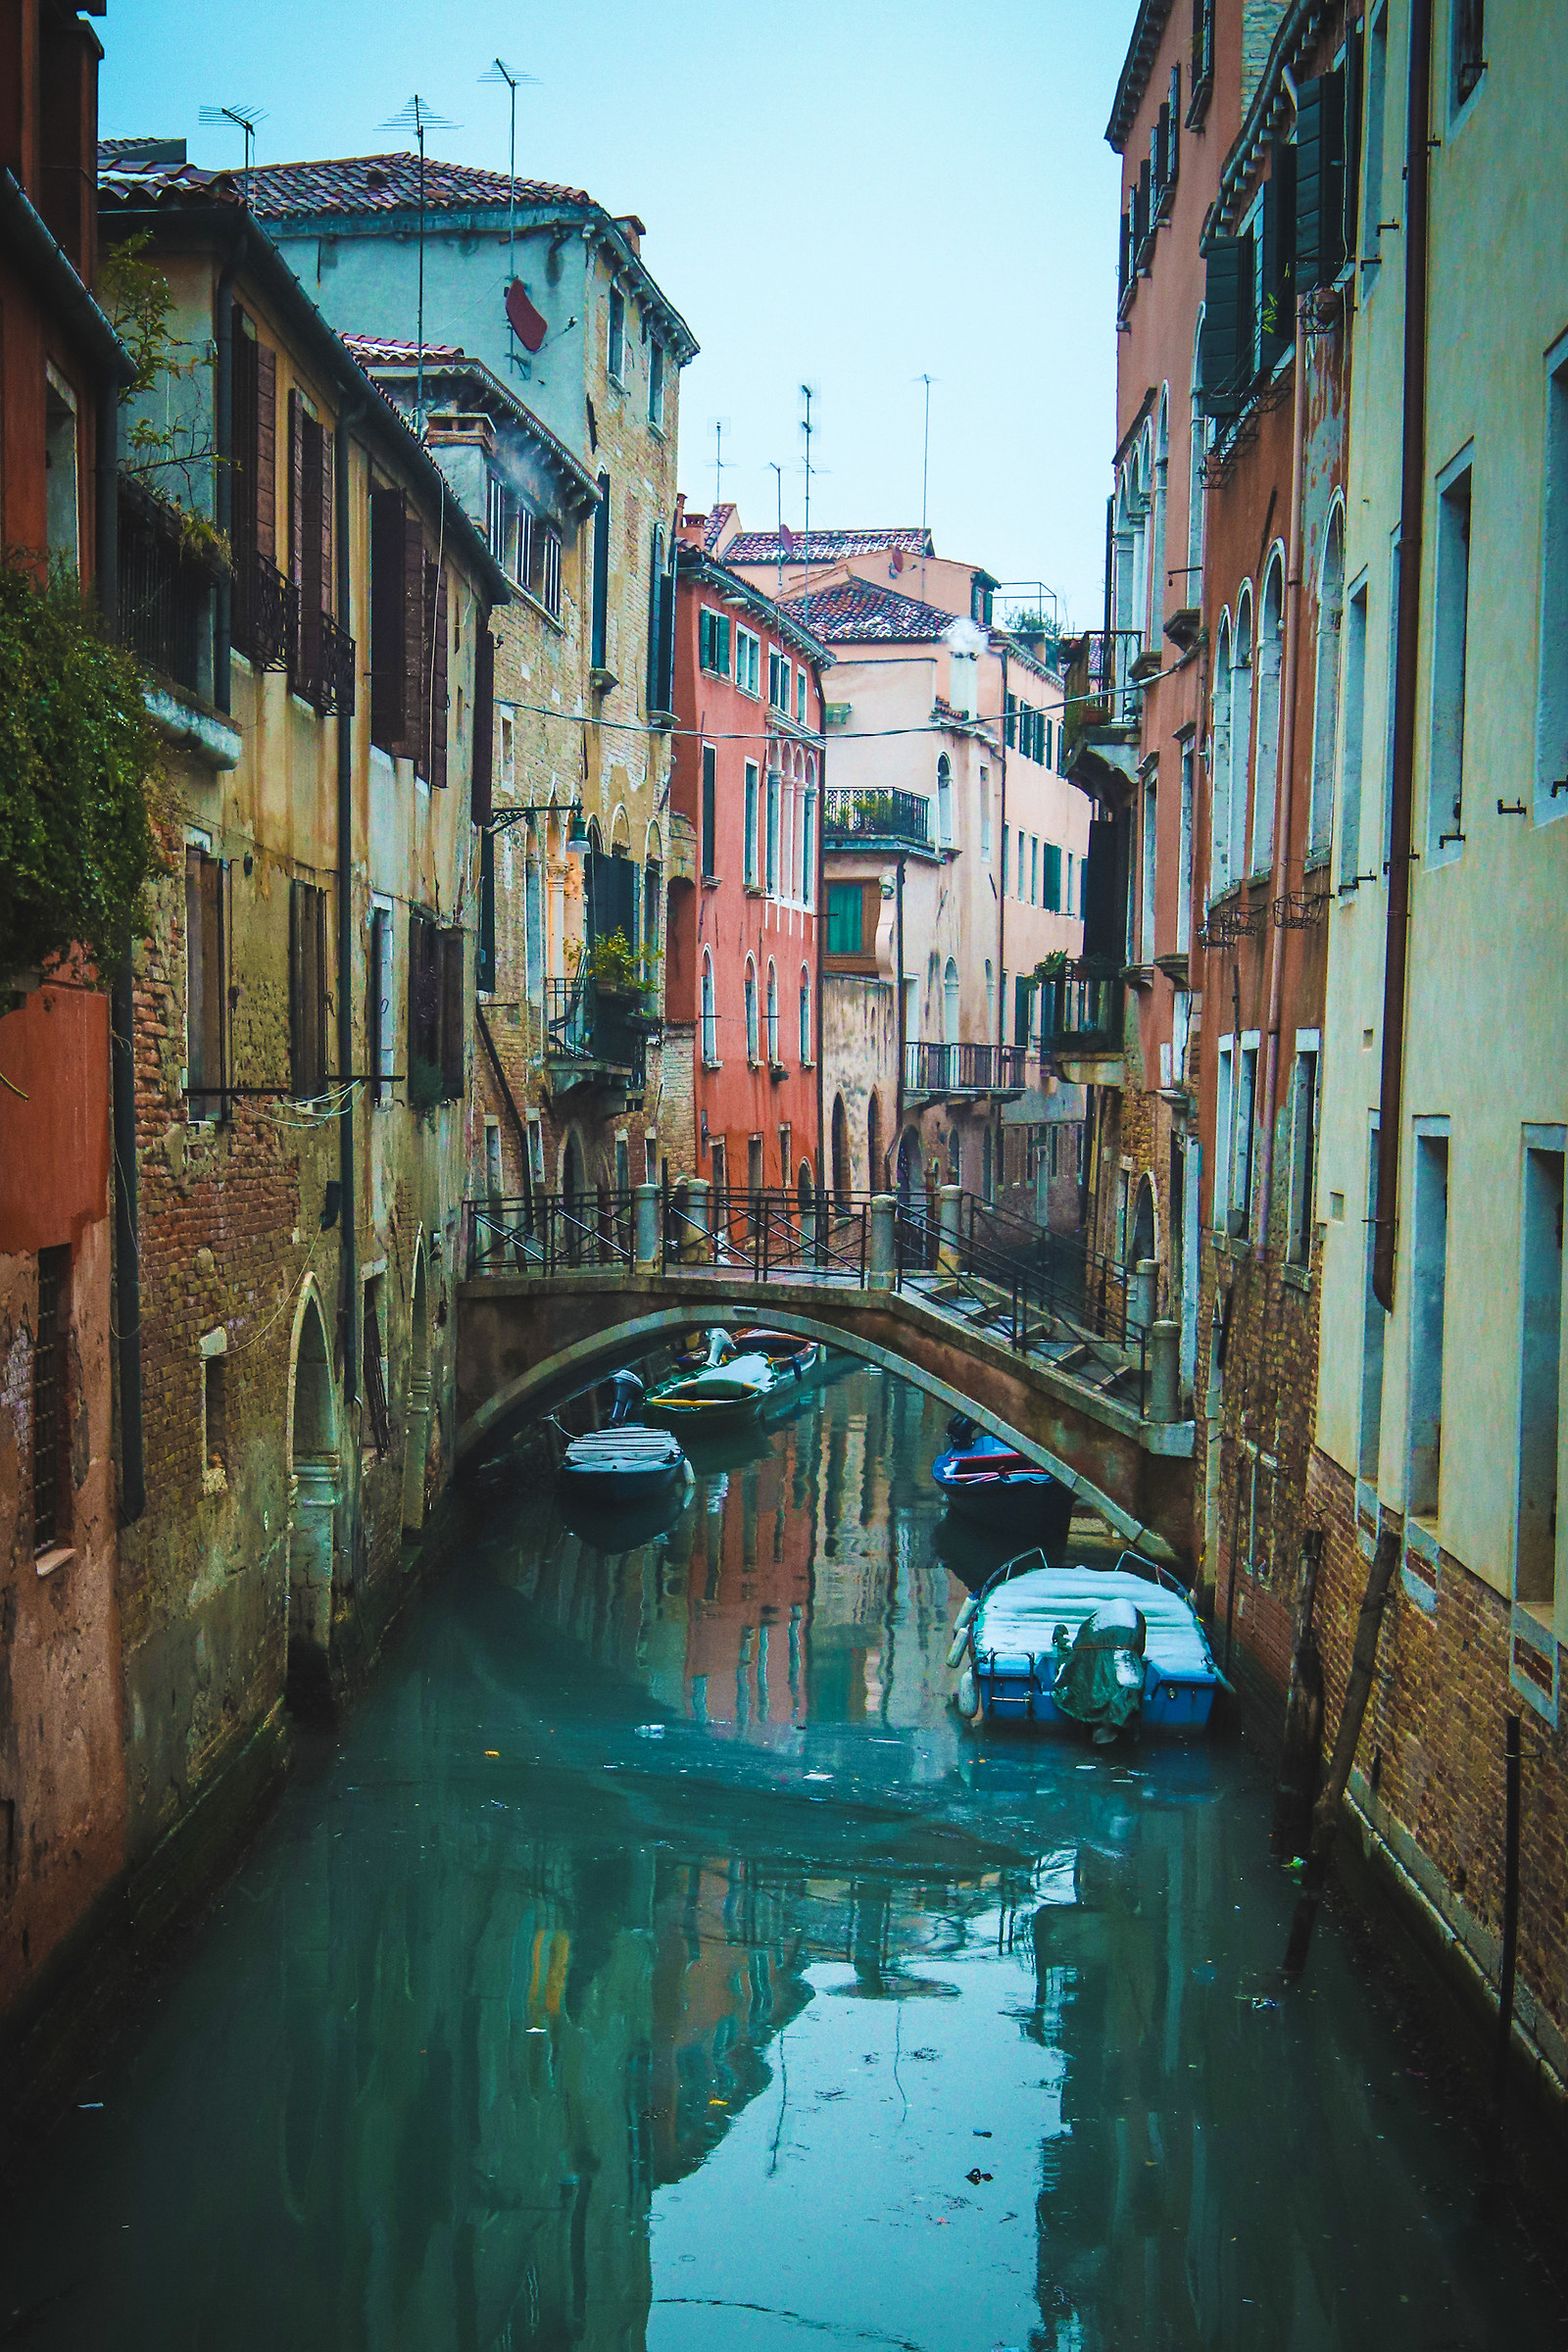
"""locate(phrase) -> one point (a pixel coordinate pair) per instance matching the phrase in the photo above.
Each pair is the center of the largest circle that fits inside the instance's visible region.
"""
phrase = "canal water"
(656, 1960)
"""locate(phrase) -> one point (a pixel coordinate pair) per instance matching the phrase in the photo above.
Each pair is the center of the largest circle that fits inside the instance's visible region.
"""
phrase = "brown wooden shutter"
(266, 452)
(296, 488)
(307, 547)
(436, 608)
(484, 724)
(389, 718)
(327, 599)
(242, 436)
(452, 1025)
(414, 637)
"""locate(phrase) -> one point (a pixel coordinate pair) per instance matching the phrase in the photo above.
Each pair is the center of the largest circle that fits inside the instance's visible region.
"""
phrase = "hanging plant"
(79, 759)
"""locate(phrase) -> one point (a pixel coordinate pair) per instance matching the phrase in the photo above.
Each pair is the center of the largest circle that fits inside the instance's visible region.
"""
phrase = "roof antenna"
(806, 394)
(779, 472)
(719, 461)
(499, 71)
(245, 119)
(926, 474)
(418, 117)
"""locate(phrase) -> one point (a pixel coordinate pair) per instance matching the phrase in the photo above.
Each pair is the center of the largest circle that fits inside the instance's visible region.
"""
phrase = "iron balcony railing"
(164, 592)
(323, 668)
(849, 816)
(587, 1022)
(263, 612)
(1083, 1011)
(549, 1232)
(932, 1069)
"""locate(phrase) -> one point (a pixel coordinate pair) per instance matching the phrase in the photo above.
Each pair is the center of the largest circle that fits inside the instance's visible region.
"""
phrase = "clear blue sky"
(840, 194)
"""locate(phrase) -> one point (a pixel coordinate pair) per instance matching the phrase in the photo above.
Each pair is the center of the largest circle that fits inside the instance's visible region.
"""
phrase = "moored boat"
(999, 1489)
(629, 1463)
(1097, 1646)
(729, 1388)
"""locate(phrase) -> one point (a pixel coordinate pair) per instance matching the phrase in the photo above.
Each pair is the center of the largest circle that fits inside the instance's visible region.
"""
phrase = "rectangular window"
(1240, 1214)
(204, 985)
(1429, 1276)
(425, 1011)
(1351, 737)
(1151, 833)
(845, 901)
(1034, 870)
(307, 991)
(778, 682)
(1184, 875)
(1389, 717)
(1223, 1113)
(1551, 682)
(1377, 84)
(1374, 1330)
(710, 810)
(655, 383)
(751, 773)
(799, 697)
(1468, 49)
(1540, 1366)
(600, 605)
(712, 642)
(615, 353)
(770, 877)
(1052, 900)
(1005, 832)
(809, 851)
(1449, 632)
(380, 1024)
(1304, 1151)
(51, 1439)
(747, 660)
(540, 564)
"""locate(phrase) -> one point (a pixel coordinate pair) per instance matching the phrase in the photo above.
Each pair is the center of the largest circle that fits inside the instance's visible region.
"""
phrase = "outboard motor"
(625, 1394)
(961, 1431)
(1100, 1677)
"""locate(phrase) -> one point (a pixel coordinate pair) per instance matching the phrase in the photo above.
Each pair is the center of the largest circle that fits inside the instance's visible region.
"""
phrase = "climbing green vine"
(79, 759)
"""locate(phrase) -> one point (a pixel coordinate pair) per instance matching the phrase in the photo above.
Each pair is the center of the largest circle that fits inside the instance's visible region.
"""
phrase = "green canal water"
(654, 1960)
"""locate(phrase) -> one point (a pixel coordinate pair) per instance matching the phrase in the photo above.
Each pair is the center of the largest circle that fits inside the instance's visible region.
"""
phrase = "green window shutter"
(1351, 142)
(1277, 324)
(1227, 342)
(703, 641)
(1053, 892)
(845, 901)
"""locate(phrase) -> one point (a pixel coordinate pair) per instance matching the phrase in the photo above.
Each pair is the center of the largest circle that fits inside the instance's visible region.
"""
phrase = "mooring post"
(1141, 1292)
(694, 1236)
(949, 1209)
(1165, 1371)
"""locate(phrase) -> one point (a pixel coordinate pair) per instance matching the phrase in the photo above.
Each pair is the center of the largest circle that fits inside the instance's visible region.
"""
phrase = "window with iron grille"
(51, 1451)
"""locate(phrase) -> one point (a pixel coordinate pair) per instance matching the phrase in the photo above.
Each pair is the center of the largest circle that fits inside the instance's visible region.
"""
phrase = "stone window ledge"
(60, 1556)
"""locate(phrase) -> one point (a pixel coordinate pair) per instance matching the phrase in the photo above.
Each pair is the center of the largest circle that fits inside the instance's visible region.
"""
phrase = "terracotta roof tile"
(827, 547)
(385, 183)
(859, 613)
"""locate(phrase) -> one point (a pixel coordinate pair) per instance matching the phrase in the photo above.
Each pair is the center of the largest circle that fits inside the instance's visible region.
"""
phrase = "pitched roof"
(827, 547)
(713, 525)
(390, 184)
(860, 613)
(695, 562)
(387, 351)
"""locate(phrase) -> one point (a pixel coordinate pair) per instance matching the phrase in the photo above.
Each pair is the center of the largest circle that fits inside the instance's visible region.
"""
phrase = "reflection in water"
(656, 1960)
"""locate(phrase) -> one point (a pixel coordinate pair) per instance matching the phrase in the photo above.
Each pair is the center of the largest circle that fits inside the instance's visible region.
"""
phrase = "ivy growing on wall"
(78, 755)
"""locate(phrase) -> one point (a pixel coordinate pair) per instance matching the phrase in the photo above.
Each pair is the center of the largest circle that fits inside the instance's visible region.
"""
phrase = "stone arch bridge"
(525, 1342)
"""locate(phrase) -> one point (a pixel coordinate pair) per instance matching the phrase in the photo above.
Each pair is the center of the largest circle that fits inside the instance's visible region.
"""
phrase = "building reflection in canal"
(656, 1960)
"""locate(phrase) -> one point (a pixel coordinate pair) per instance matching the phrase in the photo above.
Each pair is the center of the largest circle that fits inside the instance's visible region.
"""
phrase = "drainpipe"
(224, 483)
(345, 925)
(1411, 485)
(1285, 774)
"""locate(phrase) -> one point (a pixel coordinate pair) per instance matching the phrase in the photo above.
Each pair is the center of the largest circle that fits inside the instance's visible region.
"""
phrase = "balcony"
(321, 672)
(943, 1072)
(858, 819)
(1102, 682)
(263, 612)
(595, 1035)
(1083, 1022)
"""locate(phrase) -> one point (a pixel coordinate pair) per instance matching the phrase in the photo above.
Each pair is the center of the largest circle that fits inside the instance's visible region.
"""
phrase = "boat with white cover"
(621, 1465)
(1098, 1646)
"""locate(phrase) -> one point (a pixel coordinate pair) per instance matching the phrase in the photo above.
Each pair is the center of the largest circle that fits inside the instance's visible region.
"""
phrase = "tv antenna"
(778, 473)
(418, 117)
(244, 119)
(805, 427)
(498, 71)
(925, 454)
(718, 461)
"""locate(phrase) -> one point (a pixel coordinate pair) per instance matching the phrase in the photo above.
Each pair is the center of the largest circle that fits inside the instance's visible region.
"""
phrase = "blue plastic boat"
(996, 1488)
(1039, 1639)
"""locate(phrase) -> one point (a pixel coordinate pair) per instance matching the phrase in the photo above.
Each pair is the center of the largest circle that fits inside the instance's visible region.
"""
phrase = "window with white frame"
(712, 642)
(750, 816)
(1224, 1113)
(655, 383)
(710, 1014)
(616, 349)
(773, 1012)
(1303, 1148)
(383, 1032)
(752, 1040)
(748, 660)
(808, 847)
(806, 1017)
(1552, 677)
(1245, 1135)
(1450, 635)
(945, 801)
(1353, 736)
(778, 681)
(799, 695)
(1184, 872)
(770, 843)
(1151, 829)
(1326, 697)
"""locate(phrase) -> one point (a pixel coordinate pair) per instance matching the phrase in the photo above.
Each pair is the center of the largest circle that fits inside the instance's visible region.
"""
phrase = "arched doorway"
(841, 1153)
(873, 1146)
(417, 1423)
(1141, 1235)
(313, 1491)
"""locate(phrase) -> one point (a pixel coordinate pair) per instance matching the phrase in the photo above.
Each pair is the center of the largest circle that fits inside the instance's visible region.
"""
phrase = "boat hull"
(1014, 1662)
(1026, 1503)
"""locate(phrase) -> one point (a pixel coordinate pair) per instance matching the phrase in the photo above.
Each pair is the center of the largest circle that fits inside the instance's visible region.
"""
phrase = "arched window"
(1266, 772)
(753, 1041)
(1240, 731)
(1198, 452)
(809, 838)
(1219, 770)
(773, 1012)
(944, 801)
(710, 1012)
(806, 1017)
(1326, 708)
(770, 875)
(950, 1004)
